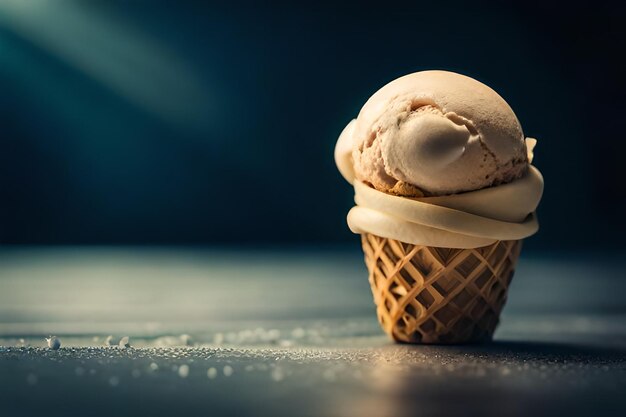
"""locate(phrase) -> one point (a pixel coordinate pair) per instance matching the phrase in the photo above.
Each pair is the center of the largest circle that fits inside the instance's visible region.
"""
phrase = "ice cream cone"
(445, 192)
(428, 295)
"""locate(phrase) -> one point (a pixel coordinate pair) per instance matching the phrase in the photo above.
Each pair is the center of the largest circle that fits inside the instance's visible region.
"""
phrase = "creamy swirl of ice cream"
(439, 159)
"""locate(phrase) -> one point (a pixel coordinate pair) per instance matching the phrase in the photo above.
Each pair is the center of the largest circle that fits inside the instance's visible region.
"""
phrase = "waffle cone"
(439, 295)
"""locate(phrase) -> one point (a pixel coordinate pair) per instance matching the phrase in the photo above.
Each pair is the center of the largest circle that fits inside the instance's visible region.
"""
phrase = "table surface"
(292, 332)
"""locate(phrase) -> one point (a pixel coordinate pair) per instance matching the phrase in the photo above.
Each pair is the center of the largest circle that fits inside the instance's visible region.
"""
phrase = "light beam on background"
(127, 62)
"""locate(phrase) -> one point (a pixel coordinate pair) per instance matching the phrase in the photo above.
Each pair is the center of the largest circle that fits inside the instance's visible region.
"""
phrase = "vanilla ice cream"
(440, 159)
(437, 133)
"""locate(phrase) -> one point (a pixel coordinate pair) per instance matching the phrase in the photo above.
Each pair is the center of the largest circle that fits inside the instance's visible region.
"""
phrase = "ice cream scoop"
(436, 133)
(451, 143)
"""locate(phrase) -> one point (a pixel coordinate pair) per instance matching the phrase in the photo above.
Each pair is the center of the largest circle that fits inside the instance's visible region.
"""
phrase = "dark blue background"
(229, 137)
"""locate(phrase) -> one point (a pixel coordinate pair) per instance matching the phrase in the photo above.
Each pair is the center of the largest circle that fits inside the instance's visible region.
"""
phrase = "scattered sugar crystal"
(228, 370)
(171, 341)
(186, 340)
(153, 367)
(298, 333)
(273, 335)
(124, 342)
(232, 338)
(211, 373)
(183, 371)
(277, 374)
(247, 336)
(54, 342)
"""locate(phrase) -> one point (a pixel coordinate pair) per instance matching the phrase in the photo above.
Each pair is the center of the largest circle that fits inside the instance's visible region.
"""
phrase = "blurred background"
(167, 174)
(197, 123)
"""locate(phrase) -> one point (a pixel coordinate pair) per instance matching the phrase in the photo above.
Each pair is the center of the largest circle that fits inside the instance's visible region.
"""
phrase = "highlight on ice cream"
(445, 191)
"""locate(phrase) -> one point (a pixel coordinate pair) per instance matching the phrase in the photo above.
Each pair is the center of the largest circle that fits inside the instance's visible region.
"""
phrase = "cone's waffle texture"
(438, 295)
